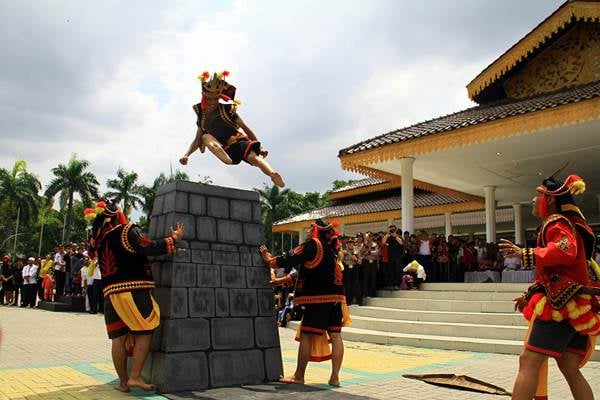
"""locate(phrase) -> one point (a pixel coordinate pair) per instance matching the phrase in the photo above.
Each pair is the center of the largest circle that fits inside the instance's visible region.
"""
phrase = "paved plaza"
(65, 356)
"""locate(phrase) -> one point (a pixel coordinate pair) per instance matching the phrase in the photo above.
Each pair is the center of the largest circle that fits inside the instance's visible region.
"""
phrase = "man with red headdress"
(320, 289)
(218, 128)
(560, 305)
(130, 312)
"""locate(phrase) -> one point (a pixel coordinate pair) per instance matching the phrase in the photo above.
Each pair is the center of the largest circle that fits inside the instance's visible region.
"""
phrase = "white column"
(518, 217)
(301, 236)
(342, 229)
(448, 224)
(408, 213)
(490, 213)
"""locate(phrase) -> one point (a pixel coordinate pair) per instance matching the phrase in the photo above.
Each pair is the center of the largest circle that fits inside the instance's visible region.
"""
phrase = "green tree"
(127, 190)
(19, 190)
(69, 180)
(276, 204)
(18, 197)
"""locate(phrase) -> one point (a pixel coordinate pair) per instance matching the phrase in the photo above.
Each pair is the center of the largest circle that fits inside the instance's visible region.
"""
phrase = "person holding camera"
(395, 247)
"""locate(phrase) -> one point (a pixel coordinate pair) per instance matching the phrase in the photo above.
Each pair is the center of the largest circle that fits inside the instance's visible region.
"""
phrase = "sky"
(114, 82)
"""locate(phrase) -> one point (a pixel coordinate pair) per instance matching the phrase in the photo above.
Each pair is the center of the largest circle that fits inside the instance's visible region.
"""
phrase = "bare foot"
(334, 382)
(183, 160)
(291, 379)
(122, 387)
(277, 179)
(139, 383)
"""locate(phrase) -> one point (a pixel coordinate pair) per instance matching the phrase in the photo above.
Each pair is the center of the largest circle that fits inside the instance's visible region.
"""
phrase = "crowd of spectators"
(68, 271)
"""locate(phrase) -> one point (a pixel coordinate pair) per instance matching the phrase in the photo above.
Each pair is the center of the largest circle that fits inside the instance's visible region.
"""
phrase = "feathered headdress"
(562, 192)
(217, 84)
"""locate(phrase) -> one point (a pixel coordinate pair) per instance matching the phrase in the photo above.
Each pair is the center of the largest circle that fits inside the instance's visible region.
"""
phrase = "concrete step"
(453, 295)
(54, 306)
(483, 331)
(442, 305)
(436, 341)
(475, 287)
(512, 318)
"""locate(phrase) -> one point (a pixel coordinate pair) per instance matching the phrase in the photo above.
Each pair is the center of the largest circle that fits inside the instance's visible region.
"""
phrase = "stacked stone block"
(218, 323)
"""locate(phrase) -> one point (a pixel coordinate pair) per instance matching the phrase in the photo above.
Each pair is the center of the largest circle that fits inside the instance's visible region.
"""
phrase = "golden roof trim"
(581, 11)
(384, 215)
(516, 125)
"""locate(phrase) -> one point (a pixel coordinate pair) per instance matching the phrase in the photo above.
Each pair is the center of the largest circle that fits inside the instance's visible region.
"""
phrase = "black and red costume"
(127, 280)
(561, 302)
(220, 122)
(319, 286)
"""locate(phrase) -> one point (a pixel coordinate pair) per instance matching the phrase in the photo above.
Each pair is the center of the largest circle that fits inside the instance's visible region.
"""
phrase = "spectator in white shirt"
(30, 274)
(512, 263)
(59, 271)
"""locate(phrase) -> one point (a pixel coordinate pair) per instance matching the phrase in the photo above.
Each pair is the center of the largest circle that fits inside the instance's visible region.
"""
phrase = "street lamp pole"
(41, 233)
(14, 252)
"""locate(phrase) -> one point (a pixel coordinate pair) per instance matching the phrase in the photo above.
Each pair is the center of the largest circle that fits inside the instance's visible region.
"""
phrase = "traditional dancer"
(130, 312)
(320, 289)
(218, 128)
(561, 306)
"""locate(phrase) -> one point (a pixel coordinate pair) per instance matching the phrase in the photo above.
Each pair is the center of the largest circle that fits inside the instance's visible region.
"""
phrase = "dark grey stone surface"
(232, 333)
(226, 257)
(173, 302)
(201, 256)
(266, 336)
(240, 210)
(181, 202)
(178, 275)
(179, 371)
(169, 202)
(254, 234)
(218, 323)
(218, 207)
(230, 231)
(206, 229)
(222, 302)
(257, 277)
(265, 302)
(185, 335)
(197, 204)
(208, 275)
(273, 363)
(233, 276)
(256, 213)
(236, 367)
(243, 303)
(157, 206)
(209, 190)
(225, 247)
(201, 302)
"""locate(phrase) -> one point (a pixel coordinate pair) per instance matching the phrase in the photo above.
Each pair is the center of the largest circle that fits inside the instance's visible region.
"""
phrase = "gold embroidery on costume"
(125, 240)
(563, 243)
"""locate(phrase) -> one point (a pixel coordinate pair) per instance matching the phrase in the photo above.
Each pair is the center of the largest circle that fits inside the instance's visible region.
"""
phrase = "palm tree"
(126, 189)
(19, 189)
(70, 179)
(276, 204)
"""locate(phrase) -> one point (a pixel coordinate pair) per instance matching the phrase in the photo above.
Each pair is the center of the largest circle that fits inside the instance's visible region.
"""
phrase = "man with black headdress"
(320, 289)
(561, 305)
(219, 128)
(130, 312)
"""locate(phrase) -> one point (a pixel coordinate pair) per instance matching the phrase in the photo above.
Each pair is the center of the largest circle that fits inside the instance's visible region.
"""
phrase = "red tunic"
(561, 267)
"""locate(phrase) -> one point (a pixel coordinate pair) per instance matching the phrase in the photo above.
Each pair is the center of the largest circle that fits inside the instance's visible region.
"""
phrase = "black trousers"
(94, 293)
(60, 282)
(29, 294)
(352, 285)
(393, 271)
(369, 278)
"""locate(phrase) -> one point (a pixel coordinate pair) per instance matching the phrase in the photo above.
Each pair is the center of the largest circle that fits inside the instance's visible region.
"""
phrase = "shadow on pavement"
(266, 391)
